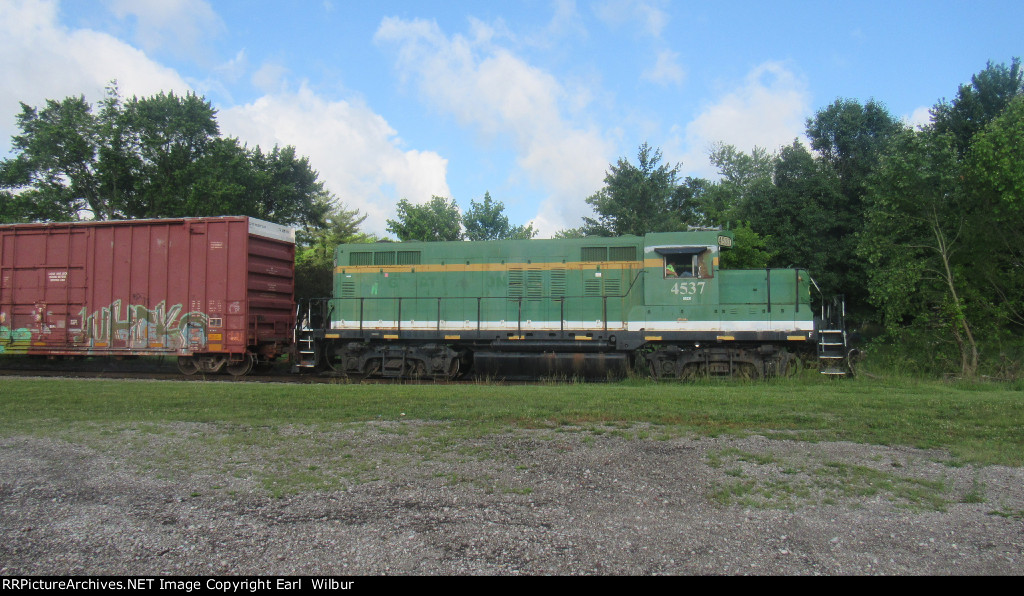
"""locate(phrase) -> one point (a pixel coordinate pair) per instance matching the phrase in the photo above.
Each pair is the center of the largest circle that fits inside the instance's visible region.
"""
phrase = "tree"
(801, 212)
(487, 221)
(977, 104)
(172, 137)
(315, 246)
(743, 176)
(995, 178)
(636, 199)
(750, 250)
(434, 221)
(159, 156)
(569, 233)
(697, 203)
(851, 138)
(916, 218)
(55, 159)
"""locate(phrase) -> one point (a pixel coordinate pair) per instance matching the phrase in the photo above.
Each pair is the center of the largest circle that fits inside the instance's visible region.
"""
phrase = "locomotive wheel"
(187, 365)
(693, 371)
(453, 370)
(242, 368)
(793, 366)
(336, 365)
(746, 371)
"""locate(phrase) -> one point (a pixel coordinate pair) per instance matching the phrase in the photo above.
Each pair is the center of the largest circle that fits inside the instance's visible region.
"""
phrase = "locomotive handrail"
(441, 300)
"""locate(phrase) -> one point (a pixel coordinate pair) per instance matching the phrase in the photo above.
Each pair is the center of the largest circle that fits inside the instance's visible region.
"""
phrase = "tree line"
(922, 229)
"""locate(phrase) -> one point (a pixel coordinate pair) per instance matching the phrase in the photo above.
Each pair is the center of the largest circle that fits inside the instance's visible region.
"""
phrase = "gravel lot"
(432, 498)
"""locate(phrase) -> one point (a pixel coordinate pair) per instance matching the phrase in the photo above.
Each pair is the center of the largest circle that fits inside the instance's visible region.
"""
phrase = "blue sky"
(529, 100)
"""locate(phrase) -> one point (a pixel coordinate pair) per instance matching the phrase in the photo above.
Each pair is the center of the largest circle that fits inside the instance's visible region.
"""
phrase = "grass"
(977, 423)
(772, 482)
(285, 439)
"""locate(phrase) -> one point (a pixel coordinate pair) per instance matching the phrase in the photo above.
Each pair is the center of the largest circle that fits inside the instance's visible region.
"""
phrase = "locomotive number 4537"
(688, 287)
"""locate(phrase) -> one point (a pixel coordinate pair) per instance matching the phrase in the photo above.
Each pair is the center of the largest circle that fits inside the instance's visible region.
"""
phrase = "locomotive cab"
(681, 278)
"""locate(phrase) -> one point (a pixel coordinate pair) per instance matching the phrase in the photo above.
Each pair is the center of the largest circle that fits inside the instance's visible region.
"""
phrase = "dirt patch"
(430, 498)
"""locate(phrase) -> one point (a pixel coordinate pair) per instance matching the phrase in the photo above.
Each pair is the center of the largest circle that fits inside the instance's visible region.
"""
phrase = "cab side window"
(688, 263)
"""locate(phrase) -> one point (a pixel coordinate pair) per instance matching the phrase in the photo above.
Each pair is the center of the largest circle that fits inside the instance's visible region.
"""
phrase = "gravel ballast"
(429, 498)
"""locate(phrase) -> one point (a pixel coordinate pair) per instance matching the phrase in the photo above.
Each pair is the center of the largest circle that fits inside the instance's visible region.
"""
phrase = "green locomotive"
(590, 307)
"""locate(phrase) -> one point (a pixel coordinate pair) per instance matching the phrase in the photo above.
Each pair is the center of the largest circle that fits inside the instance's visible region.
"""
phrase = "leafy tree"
(696, 203)
(159, 156)
(744, 177)
(802, 211)
(55, 159)
(851, 138)
(636, 199)
(487, 221)
(434, 221)
(569, 233)
(977, 104)
(750, 250)
(172, 136)
(287, 188)
(995, 178)
(913, 238)
(739, 168)
(314, 254)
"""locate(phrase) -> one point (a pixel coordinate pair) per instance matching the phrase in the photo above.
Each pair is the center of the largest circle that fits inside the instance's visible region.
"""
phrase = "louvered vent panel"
(622, 253)
(515, 283)
(592, 287)
(535, 283)
(558, 283)
(612, 287)
(384, 258)
(348, 289)
(594, 253)
(360, 258)
(408, 257)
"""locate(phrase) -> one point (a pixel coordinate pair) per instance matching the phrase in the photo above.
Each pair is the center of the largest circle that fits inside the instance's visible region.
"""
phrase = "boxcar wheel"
(187, 365)
(242, 368)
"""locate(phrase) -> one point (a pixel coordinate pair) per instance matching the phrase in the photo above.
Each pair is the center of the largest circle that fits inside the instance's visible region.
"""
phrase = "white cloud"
(566, 22)
(42, 59)
(180, 26)
(648, 14)
(768, 110)
(270, 78)
(920, 117)
(358, 155)
(666, 70)
(497, 93)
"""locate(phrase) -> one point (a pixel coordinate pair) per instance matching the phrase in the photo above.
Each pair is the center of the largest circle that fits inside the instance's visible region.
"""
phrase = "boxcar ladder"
(833, 351)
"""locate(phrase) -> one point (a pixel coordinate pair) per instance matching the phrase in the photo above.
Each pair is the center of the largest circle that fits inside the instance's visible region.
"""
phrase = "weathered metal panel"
(176, 286)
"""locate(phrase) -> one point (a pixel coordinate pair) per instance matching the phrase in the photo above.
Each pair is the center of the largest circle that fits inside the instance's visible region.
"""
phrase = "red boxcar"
(217, 292)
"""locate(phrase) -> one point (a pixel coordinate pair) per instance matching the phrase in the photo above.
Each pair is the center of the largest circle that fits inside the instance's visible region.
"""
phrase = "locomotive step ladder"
(832, 352)
(306, 350)
(833, 349)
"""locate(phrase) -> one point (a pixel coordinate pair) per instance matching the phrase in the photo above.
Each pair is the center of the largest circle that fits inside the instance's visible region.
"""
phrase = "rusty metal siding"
(181, 286)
